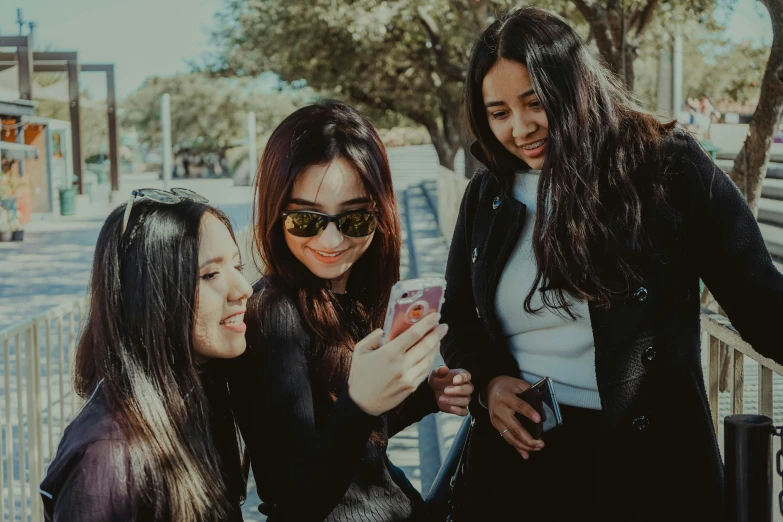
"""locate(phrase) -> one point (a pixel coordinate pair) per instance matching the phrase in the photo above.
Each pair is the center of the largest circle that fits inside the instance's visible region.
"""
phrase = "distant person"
(156, 439)
(316, 397)
(577, 255)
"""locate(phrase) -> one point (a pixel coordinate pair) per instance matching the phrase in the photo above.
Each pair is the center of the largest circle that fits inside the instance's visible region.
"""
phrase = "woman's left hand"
(452, 389)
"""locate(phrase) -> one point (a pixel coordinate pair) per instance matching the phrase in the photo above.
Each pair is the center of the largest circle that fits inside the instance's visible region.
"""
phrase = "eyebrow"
(348, 203)
(496, 103)
(220, 259)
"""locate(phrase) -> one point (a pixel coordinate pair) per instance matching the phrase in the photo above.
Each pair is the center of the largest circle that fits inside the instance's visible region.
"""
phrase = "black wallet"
(541, 396)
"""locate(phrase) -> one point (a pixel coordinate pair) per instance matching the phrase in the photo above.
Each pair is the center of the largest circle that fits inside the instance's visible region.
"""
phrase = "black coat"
(660, 459)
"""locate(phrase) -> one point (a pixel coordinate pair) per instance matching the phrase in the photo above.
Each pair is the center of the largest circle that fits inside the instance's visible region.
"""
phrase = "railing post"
(748, 455)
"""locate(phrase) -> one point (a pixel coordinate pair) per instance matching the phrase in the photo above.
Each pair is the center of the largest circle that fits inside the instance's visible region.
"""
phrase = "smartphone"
(411, 301)
(541, 396)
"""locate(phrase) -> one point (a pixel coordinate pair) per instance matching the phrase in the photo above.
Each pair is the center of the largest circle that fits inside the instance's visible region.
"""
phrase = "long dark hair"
(315, 135)
(138, 340)
(589, 212)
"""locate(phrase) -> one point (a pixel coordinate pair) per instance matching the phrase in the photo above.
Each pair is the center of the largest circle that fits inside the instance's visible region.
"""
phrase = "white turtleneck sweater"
(544, 344)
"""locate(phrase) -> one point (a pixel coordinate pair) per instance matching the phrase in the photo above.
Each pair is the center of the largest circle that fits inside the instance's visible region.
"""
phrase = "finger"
(424, 348)
(422, 368)
(458, 410)
(511, 438)
(523, 408)
(369, 343)
(442, 371)
(460, 376)
(465, 389)
(454, 401)
(412, 335)
(521, 436)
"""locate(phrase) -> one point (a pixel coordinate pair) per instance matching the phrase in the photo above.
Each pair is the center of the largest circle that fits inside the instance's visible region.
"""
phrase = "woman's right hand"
(503, 403)
(382, 377)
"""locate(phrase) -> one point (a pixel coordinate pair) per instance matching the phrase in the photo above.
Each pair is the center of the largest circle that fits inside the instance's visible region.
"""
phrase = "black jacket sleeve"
(97, 488)
(728, 248)
(467, 344)
(417, 406)
(302, 471)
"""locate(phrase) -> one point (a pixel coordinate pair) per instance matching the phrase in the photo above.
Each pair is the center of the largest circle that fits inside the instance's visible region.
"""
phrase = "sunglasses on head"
(308, 223)
(171, 197)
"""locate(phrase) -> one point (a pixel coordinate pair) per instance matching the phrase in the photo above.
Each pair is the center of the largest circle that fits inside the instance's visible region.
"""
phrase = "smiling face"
(332, 189)
(219, 330)
(514, 113)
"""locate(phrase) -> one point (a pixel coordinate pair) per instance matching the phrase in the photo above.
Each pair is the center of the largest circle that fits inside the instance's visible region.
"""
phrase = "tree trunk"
(446, 150)
(750, 165)
(610, 28)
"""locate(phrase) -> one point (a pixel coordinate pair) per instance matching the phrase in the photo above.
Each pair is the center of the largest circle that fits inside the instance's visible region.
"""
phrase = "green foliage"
(94, 123)
(207, 114)
(713, 66)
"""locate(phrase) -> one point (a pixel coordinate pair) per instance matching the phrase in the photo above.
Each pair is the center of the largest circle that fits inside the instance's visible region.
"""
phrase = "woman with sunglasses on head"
(156, 439)
(577, 255)
(316, 397)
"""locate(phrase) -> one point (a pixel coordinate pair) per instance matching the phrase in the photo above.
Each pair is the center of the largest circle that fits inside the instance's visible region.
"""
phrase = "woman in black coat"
(577, 255)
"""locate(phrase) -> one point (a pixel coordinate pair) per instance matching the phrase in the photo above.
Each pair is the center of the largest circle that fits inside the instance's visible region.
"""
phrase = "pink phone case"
(410, 301)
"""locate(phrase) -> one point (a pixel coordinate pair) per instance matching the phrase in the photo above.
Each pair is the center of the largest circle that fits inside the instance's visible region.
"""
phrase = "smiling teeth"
(534, 145)
(326, 254)
(236, 319)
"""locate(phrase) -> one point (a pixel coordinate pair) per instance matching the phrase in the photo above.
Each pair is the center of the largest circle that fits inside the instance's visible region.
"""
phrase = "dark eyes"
(212, 275)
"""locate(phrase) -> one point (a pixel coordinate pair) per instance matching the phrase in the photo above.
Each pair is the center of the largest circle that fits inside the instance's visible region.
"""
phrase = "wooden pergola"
(30, 61)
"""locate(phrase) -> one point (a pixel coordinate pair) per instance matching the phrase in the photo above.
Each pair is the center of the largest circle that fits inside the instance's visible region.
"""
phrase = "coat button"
(648, 356)
(641, 423)
(641, 294)
(475, 254)
(496, 203)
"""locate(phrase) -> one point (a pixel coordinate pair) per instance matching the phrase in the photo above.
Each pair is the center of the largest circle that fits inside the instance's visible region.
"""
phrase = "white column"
(665, 81)
(165, 131)
(677, 72)
(252, 157)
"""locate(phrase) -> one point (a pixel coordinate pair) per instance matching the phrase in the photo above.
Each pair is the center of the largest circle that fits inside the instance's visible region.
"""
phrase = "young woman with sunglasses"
(316, 397)
(577, 255)
(156, 440)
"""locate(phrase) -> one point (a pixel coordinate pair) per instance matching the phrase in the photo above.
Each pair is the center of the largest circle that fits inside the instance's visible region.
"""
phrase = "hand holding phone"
(541, 396)
(410, 302)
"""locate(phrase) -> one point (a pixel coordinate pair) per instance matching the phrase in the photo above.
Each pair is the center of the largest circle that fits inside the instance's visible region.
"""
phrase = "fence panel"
(30, 401)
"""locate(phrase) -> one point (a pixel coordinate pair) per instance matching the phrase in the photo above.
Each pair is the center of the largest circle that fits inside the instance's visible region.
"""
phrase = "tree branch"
(448, 69)
(641, 18)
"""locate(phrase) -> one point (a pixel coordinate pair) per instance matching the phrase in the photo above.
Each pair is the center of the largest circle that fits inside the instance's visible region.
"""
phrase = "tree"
(750, 165)
(398, 56)
(406, 56)
(620, 28)
(208, 115)
(710, 55)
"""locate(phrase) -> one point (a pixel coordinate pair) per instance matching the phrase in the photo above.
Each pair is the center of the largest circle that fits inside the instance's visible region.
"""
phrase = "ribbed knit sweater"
(310, 464)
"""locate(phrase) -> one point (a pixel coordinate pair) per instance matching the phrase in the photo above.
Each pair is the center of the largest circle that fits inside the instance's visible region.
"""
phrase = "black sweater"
(310, 466)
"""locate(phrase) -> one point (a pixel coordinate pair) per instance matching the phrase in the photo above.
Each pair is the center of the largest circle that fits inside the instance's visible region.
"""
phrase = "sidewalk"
(52, 265)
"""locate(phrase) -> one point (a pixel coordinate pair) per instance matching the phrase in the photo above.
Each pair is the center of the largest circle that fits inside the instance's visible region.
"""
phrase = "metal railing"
(738, 455)
(36, 403)
(37, 399)
(719, 330)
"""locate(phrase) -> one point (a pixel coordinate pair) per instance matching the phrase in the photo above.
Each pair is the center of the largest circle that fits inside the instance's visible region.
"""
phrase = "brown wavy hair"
(589, 200)
(315, 135)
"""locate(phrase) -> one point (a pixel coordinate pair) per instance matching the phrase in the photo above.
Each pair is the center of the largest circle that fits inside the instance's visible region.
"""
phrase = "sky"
(157, 37)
